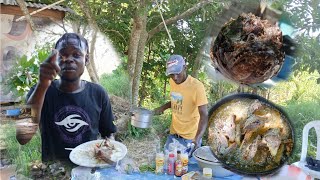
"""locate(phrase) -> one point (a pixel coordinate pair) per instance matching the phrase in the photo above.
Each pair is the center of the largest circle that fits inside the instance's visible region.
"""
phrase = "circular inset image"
(248, 49)
(249, 134)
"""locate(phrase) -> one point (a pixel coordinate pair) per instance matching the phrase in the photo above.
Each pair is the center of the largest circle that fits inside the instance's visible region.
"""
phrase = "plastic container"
(171, 164)
(13, 112)
(159, 163)
(207, 172)
(166, 157)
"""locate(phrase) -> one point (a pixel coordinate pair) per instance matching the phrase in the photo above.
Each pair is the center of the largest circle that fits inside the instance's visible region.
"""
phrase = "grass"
(21, 155)
(300, 114)
(116, 84)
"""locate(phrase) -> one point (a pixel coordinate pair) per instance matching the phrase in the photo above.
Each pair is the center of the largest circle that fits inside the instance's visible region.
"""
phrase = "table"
(83, 173)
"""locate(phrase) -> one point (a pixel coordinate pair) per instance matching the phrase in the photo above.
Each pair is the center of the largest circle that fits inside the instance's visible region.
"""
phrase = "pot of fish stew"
(249, 134)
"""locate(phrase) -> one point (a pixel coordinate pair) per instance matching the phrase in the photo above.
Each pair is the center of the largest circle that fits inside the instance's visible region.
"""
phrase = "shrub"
(24, 73)
(300, 114)
(116, 83)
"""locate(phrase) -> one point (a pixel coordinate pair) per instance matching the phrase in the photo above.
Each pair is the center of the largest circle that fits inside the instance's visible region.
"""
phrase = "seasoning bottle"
(178, 165)
(185, 161)
(171, 164)
(159, 163)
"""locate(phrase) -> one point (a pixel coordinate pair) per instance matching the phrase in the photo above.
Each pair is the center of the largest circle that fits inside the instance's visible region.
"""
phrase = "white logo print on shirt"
(71, 124)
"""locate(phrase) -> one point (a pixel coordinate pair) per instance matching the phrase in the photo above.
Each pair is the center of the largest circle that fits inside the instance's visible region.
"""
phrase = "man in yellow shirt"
(188, 102)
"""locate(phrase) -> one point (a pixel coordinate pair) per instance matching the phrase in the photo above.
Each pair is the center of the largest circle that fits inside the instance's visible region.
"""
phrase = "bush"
(116, 83)
(300, 114)
(25, 73)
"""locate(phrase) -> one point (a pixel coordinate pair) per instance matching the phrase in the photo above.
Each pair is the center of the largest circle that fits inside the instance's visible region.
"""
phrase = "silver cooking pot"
(141, 118)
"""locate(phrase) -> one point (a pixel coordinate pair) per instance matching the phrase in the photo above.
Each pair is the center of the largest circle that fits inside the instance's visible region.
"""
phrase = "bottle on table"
(165, 166)
(178, 165)
(171, 164)
(185, 161)
(159, 163)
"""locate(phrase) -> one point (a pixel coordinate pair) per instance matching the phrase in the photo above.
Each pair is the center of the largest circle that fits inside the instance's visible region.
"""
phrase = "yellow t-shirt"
(185, 99)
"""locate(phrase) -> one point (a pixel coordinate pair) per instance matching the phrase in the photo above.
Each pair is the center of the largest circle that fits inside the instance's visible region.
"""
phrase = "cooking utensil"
(283, 114)
(141, 118)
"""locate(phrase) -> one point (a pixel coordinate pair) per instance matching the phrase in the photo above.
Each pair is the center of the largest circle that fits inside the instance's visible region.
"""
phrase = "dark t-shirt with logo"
(70, 119)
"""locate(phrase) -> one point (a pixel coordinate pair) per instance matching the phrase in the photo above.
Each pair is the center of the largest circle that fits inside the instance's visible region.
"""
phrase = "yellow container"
(159, 163)
(185, 161)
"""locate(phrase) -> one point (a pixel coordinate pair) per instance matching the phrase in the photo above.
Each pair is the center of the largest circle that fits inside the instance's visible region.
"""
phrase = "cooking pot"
(284, 116)
(141, 118)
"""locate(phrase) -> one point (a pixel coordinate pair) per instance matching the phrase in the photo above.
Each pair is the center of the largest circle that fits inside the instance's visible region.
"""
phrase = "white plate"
(83, 155)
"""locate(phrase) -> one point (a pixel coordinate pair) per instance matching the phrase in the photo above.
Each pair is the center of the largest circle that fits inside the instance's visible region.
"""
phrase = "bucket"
(141, 118)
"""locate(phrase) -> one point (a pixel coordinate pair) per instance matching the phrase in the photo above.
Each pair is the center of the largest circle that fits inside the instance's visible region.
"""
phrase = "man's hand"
(158, 111)
(197, 143)
(162, 108)
(49, 69)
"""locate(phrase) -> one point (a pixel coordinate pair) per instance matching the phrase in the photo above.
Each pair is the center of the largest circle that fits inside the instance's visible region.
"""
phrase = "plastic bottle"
(159, 163)
(178, 165)
(171, 164)
(165, 166)
(185, 161)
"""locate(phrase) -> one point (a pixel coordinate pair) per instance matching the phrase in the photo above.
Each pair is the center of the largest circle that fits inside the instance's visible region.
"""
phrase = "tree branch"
(62, 26)
(117, 32)
(91, 20)
(26, 13)
(174, 19)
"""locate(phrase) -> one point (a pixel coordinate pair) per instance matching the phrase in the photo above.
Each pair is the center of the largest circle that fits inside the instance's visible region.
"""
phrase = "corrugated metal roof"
(37, 5)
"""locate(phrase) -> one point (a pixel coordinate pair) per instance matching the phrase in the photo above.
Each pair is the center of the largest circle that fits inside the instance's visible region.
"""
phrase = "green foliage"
(302, 87)
(147, 168)
(300, 98)
(300, 114)
(22, 155)
(24, 73)
(161, 125)
(308, 54)
(305, 17)
(137, 133)
(116, 83)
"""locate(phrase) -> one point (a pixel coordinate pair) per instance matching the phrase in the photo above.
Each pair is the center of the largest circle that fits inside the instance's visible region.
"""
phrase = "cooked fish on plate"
(98, 153)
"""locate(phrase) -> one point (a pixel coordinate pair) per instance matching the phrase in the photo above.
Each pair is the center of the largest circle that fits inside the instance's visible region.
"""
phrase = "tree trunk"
(205, 43)
(25, 12)
(197, 61)
(143, 92)
(165, 89)
(139, 24)
(138, 66)
(91, 67)
(75, 25)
